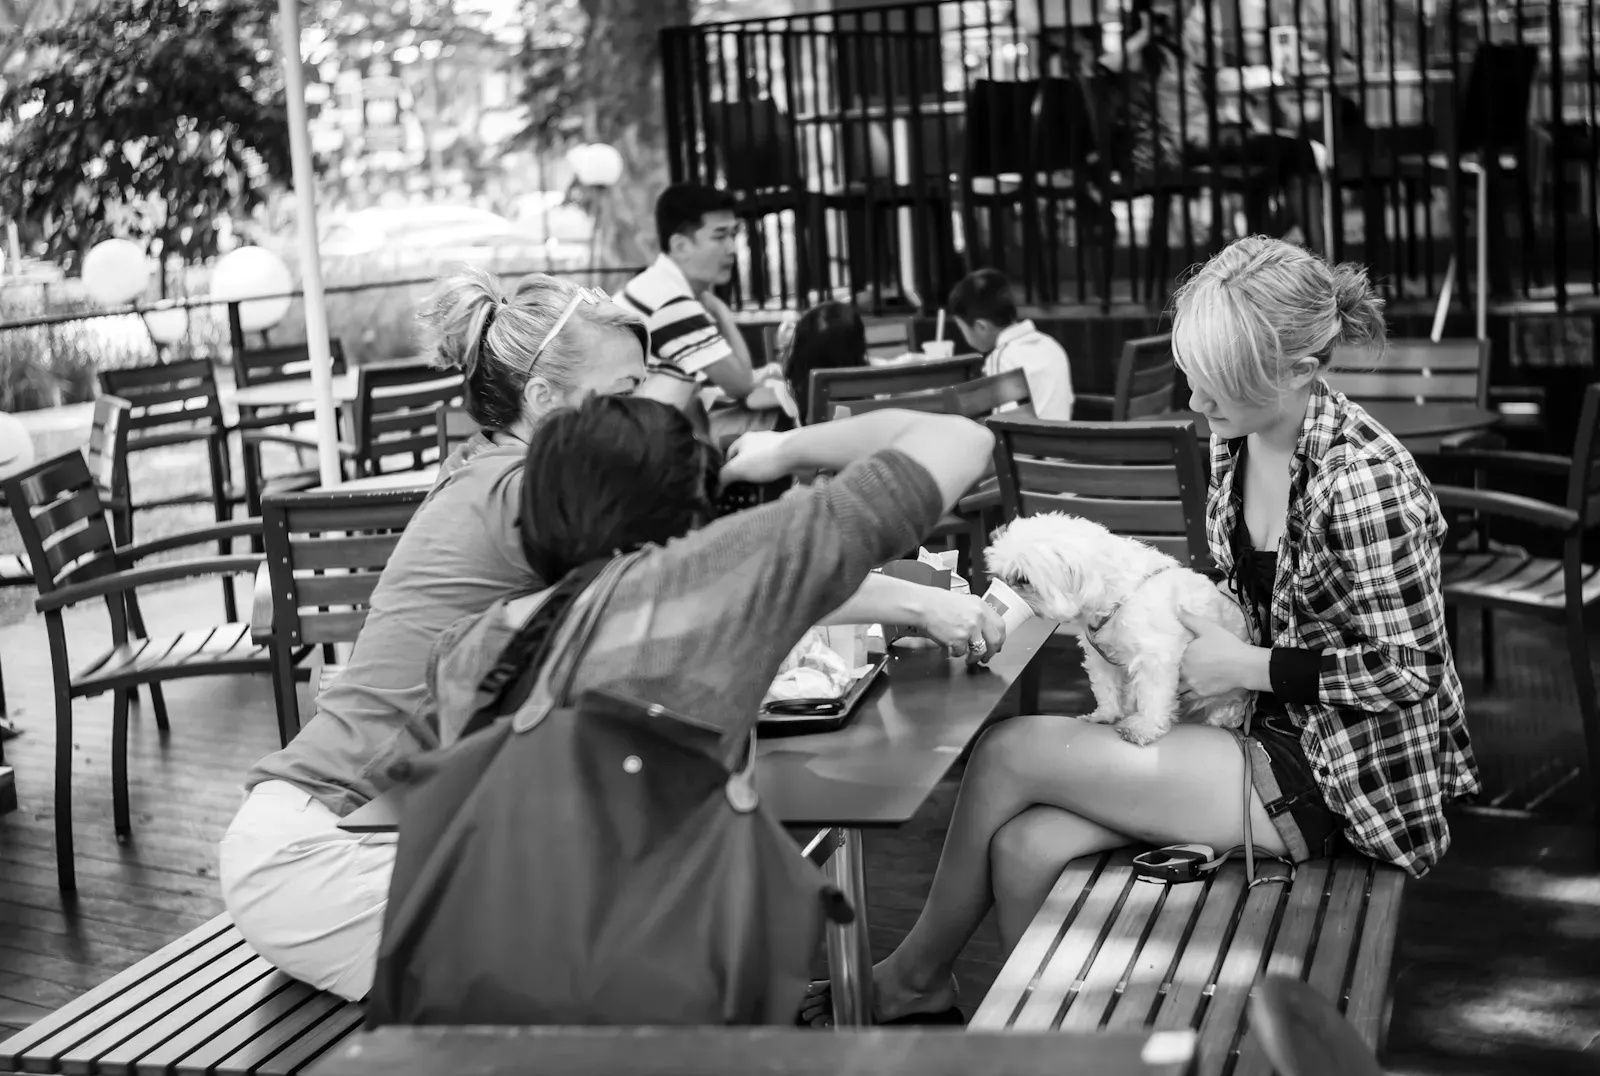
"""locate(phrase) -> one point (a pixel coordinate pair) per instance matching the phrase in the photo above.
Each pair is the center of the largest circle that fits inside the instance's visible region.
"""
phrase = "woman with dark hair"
(305, 894)
(829, 336)
(700, 623)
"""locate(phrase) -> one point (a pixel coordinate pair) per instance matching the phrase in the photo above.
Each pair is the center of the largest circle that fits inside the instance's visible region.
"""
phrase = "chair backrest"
(281, 362)
(1062, 130)
(1146, 374)
(455, 425)
(107, 450)
(325, 552)
(397, 411)
(61, 519)
(983, 396)
(1303, 1034)
(1144, 480)
(1450, 371)
(865, 382)
(888, 338)
(165, 398)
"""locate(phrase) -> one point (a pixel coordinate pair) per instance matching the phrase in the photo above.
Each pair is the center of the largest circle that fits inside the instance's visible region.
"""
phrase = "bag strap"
(571, 641)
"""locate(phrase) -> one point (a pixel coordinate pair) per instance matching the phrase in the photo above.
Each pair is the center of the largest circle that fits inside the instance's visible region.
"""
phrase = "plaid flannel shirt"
(1358, 580)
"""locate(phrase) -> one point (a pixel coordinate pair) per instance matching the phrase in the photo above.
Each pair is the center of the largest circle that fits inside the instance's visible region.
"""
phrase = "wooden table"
(686, 1051)
(419, 479)
(1407, 421)
(877, 771)
(295, 392)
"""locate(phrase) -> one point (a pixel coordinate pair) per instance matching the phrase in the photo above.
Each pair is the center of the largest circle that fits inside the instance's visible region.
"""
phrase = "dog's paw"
(1104, 715)
(1140, 734)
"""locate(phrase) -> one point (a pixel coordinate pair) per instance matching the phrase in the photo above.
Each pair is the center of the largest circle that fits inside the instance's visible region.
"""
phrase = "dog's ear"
(1051, 577)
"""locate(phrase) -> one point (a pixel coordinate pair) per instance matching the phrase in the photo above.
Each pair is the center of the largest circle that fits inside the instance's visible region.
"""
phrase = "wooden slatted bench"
(203, 1006)
(1108, 951)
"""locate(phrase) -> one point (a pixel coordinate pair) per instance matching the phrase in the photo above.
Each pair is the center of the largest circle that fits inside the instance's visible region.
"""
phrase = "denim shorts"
(1288, 790)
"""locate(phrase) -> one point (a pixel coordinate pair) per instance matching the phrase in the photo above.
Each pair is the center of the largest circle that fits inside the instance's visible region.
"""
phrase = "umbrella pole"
(305, 191)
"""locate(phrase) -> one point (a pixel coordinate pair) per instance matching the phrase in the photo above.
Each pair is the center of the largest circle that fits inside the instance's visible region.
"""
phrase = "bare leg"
(1184, 787)
(1028, 855)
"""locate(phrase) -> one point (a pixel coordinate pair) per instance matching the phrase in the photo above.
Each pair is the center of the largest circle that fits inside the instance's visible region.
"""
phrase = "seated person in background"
(983, 307)
(829, 336)
(692, 332)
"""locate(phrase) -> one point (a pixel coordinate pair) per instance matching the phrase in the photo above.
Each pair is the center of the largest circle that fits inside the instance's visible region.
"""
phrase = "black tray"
(770, 724)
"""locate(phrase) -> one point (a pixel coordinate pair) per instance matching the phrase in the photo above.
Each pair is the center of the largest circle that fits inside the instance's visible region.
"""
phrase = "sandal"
(952, 1016)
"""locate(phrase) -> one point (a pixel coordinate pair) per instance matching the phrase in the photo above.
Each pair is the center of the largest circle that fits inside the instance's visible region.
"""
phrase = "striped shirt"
(682, 333)
(1358, 581)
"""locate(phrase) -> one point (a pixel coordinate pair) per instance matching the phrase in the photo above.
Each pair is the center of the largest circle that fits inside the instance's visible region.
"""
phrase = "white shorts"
(305, 894)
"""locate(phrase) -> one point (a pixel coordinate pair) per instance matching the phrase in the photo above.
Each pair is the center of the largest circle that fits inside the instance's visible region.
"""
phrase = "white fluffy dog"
(1120, 598)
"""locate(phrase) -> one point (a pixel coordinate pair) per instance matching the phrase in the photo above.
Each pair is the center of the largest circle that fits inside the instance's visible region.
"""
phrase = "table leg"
(849, 946)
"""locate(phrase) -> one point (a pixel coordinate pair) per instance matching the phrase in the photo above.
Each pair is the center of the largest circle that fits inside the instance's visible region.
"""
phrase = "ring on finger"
(978, 646)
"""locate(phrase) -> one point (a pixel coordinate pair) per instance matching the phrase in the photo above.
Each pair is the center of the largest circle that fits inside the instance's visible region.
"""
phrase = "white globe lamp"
(243, 276)
(596, 164)
(115, 272)
(166, 324)
(16, 447)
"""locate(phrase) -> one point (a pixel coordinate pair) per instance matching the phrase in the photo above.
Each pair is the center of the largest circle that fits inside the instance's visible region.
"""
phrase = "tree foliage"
(148, 119)
(593, 73)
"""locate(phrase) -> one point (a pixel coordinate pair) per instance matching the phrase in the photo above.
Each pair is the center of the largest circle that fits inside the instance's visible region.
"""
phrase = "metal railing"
(53, 358)
(1094, 148)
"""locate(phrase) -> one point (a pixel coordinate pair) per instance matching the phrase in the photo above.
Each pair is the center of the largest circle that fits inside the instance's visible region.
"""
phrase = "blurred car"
(426, 238)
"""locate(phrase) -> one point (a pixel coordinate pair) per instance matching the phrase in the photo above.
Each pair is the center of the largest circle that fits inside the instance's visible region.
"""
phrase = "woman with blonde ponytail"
(1329, 535)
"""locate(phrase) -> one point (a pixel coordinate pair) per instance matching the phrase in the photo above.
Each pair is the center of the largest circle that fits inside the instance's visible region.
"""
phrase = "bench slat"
(1058, 977)
(1158, 959)
(258, 1035)
(310, 1046)
(1117, 954)
(1289, 952)
(1197, 967)
(237, 1021)
(1369, 983)
(1247, 954)
(1010, 987)
(62, 1028)
(1346, 901)
(146, 1004)
(281, 1035)
(123, 1058)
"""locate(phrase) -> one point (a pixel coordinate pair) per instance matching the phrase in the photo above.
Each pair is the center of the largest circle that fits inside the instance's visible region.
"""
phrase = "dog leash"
(1197, 862)
(1091, 630)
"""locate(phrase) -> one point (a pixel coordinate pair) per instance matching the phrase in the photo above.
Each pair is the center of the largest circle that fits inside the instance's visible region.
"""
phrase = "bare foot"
(891, 999)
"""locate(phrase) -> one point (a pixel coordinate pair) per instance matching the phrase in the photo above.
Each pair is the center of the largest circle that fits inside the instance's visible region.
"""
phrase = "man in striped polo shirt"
(693, 336)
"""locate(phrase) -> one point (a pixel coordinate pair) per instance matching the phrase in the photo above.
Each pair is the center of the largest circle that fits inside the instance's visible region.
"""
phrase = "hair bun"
(1359, 306)
(456, 315)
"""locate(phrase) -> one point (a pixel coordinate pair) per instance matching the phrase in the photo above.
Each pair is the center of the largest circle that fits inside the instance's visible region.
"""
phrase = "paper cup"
(939, 349)
(1009, 604)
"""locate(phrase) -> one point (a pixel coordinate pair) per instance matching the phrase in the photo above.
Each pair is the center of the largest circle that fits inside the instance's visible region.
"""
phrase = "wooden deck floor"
(1499, 953)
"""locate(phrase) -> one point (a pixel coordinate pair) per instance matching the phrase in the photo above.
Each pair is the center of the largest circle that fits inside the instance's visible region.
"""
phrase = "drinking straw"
(938, 332)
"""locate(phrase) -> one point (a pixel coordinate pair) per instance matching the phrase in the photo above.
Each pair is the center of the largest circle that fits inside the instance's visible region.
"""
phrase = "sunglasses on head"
(583, 297)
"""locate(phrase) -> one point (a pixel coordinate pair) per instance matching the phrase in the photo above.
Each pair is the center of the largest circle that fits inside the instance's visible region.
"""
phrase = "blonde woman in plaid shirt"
(1330, 535)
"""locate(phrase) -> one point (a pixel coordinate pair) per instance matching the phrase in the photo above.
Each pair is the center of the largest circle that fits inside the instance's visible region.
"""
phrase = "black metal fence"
(1093, 148)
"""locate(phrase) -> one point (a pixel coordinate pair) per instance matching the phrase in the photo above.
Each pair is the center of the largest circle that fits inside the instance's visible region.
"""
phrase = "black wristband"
(1295, 673)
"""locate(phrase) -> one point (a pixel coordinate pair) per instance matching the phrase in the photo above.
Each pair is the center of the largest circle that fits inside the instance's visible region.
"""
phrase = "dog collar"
(1091, 630)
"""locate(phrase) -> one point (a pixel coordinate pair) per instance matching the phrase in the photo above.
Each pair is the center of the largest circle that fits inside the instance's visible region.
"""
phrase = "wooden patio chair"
(888, 338)
(325, 552)
(1144, 480)
(1512, 580)
(454, 426)
(174, 403)
(1146, 376)
(396, 412)
(830, 386)
(63, 526)
(261, 426)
